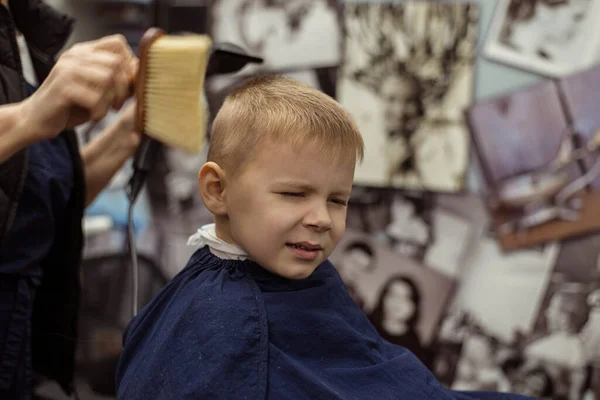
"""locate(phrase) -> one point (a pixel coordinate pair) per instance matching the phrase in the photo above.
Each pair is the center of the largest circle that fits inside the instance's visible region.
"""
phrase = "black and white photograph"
(433, 230)
(548, 37)
(526, 323)
(401, 220)
(565, 340)
(287, 34)
(403, 299)
(407, 77)
(496, 304)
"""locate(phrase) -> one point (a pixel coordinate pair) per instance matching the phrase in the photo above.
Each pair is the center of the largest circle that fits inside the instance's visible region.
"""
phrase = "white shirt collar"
(207, 236)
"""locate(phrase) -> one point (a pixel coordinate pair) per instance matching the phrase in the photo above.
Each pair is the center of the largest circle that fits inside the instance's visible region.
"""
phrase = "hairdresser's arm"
(107, 153)
(14, 133)
(87, 80)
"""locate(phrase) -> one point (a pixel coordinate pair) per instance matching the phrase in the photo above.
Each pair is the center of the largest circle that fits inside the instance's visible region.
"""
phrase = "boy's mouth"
(305, 250)
(307, 246)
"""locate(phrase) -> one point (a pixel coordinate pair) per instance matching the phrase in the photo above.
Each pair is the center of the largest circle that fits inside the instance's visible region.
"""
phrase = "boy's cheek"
(340, 229)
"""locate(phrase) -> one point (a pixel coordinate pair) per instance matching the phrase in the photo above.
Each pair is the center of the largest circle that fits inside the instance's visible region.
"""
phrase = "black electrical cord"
(142, 164)
(134, 258)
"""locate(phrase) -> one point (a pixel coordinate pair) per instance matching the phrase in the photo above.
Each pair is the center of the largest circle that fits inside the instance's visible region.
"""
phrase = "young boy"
(259, 312)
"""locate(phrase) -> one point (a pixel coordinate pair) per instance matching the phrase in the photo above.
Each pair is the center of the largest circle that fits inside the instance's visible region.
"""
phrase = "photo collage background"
(484, 297)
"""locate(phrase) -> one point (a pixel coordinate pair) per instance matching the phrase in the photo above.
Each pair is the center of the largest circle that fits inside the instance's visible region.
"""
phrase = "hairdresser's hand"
(105, 155)
(127, 136)
(116, 143)
(87, 81)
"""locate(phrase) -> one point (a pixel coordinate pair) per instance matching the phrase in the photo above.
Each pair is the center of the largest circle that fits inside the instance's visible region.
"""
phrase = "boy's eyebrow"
(293, 184)
(345, 193)
(306, 187)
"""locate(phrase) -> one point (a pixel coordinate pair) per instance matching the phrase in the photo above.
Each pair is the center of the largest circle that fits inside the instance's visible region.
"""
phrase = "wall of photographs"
(473, 237)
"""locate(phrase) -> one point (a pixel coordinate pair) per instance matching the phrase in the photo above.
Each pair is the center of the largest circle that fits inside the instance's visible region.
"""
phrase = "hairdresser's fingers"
(84, 83)
(133, 67)
(109, 73)
(95, 76)
(124, 73)
(100, 70)
(99, 93)
(101, 107)
(127, 117)
(128, 79)
(95, 102)
(121, 88)
(117, 44)
(81, 96)
(106, 59)
(113, 43)
(125, 83)
(129, 139)
(85, 54)
(86, 51)
(132, 72)
(105, 80)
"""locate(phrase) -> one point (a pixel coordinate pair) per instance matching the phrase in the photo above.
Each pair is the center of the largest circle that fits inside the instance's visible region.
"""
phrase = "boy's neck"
(222, 229)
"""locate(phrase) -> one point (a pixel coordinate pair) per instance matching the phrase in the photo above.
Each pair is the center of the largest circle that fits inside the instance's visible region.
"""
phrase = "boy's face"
(288, 209)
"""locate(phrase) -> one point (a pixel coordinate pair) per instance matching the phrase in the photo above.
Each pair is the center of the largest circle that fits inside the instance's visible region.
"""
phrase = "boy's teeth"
(300, 247)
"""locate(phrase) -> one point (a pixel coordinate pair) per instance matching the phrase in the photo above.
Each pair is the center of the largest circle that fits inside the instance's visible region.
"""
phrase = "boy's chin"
(296, 272)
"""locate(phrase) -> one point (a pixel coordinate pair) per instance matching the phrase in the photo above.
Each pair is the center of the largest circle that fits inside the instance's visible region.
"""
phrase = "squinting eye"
(340, 202)
(292, 194)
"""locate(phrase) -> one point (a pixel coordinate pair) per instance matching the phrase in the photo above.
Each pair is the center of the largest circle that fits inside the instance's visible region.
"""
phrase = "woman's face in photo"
(399, 104)
(442, 35)
(399, 304)
(569, 20)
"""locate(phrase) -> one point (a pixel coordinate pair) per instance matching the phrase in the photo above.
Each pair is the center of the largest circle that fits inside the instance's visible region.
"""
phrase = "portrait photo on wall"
(407, 76)
(477, 338)
(287, 34)
(539, 152)
(564, 346)
(403, 299)
(433, 230)
(549, 37)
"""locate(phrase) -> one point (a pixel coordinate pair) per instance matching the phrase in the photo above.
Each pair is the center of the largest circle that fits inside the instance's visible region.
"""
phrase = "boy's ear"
(211, 183)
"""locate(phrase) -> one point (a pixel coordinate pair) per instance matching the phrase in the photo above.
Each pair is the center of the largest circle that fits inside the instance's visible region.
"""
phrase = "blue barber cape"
(225, 329)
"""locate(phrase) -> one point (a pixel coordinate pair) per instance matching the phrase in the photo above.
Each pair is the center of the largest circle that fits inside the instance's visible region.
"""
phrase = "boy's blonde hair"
(280, 109)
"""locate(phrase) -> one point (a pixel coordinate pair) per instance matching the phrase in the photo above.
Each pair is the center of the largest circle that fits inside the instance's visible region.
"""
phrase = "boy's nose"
(318, 218)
